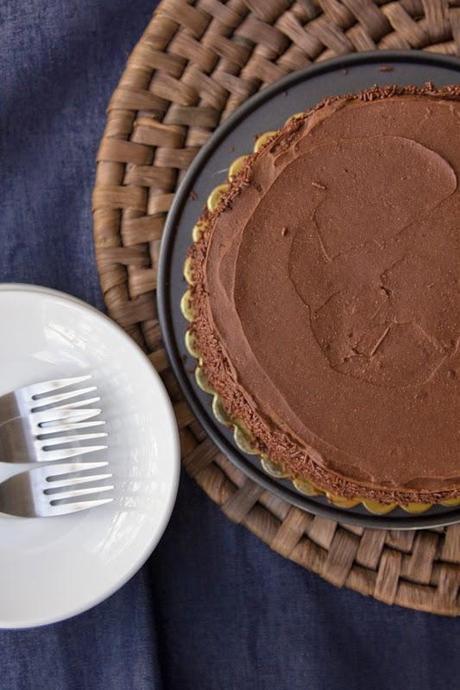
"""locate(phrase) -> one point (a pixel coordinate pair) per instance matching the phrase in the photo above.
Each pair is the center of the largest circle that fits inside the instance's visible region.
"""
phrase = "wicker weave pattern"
(195, 64)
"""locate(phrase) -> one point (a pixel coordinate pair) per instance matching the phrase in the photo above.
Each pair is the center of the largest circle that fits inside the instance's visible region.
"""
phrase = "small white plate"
(54, 568)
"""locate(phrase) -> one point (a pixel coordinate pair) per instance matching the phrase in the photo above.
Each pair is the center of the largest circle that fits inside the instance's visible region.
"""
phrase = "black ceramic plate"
(266, 111)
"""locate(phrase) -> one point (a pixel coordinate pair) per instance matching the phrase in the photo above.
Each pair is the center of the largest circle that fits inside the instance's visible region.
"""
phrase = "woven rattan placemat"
(196, 62)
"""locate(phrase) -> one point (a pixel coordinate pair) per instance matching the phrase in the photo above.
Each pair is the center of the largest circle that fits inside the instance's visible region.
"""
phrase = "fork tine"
(37, 405)
(60, 440)
(55, 455)
(57, 427)
(70, 467)
(78, 403)
(88, 491)
(63, 414)
(67, 508)
(49, 386)
(72, 481)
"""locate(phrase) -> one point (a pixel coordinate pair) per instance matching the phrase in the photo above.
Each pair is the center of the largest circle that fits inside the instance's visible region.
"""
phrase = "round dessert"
(325, 296)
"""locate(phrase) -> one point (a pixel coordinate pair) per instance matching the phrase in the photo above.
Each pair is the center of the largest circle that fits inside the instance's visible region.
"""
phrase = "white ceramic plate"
(54, 568)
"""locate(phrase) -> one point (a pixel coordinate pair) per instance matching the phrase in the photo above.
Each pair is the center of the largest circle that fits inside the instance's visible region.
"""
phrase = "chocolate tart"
(323, 299)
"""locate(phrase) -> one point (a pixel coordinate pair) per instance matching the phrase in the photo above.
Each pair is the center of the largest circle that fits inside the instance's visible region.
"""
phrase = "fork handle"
(16, 444)
(8, 409)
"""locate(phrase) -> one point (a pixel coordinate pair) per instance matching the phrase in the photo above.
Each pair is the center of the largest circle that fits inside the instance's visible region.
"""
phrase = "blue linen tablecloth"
(214, 608)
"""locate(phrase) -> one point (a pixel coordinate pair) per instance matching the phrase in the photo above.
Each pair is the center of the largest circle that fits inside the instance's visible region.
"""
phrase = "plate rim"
(40, 621)
(164, 312)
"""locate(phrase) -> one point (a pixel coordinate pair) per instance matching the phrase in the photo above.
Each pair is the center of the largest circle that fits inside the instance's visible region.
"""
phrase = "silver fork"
(55, 490)
(35, 421)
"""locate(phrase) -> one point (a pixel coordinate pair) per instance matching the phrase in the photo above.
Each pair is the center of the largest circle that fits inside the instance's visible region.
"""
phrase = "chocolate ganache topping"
(326, 295)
